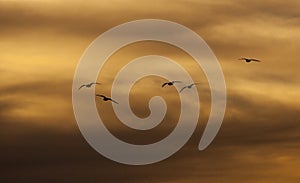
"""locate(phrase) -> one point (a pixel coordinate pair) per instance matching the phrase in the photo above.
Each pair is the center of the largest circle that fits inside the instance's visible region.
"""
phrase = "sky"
(41, 43)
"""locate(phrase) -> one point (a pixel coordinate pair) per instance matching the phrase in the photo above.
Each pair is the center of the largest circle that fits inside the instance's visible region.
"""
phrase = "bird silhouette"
(107, 98)
(188, 86)
(249, 59)
(89, 85)
(170, 83)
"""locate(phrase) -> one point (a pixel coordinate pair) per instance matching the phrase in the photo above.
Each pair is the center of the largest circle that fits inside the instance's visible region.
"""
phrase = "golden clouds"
(42, 41)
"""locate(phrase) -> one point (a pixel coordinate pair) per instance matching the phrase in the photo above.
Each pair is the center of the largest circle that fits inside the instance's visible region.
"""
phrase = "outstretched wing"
(100, 96)
(113, 101)
(243, 58)
(94, 83)
(255, 60)
(182, 89)
(164, 84)
(81, 87)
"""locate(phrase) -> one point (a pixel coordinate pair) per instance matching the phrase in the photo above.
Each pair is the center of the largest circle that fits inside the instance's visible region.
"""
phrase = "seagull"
(188, 86)
(249, 59)
(107, 98)
(170, 83)
(89, 85)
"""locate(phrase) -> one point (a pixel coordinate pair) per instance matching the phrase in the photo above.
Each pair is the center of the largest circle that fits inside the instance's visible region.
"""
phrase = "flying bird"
(170, 83)
(107, 98)
(249, 59)
(188, 86)
(89, 85)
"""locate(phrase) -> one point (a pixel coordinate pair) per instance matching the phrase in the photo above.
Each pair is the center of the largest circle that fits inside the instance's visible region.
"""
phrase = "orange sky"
(41, 43)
